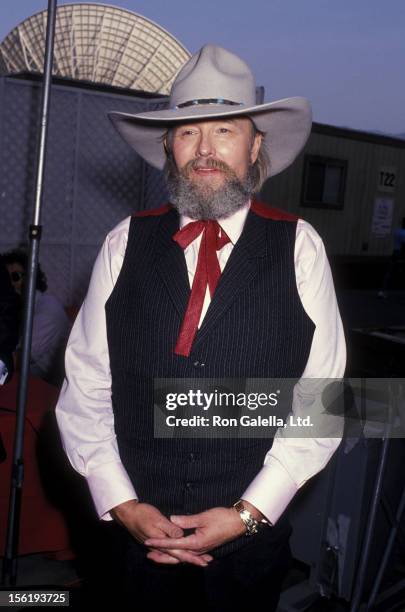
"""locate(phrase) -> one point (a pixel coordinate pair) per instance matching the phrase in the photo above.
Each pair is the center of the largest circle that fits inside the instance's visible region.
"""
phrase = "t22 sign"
(387, 179)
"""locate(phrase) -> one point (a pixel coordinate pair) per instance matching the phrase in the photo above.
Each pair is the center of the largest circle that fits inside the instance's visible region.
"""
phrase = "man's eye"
(223, 130)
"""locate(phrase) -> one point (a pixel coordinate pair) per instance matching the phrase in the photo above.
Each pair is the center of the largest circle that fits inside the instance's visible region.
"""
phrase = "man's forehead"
(217, 120)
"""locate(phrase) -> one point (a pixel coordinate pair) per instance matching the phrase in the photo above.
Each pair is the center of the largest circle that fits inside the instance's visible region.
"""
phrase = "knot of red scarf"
(207, 273)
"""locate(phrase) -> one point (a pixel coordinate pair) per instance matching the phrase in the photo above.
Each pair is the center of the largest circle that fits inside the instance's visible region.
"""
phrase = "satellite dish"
(97, 43)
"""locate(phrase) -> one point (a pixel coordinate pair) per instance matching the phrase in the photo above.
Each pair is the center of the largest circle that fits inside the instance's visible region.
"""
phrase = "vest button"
(192, 457)
(196, 364)
(189, 486)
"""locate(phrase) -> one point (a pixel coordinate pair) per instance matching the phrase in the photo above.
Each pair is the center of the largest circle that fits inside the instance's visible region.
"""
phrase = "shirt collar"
(232, 225)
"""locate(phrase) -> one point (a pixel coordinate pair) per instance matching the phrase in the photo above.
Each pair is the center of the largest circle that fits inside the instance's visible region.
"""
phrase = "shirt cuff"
(110, 486)
(271, 491)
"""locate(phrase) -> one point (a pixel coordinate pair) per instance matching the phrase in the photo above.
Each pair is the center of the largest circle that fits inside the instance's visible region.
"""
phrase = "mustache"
(209, 163)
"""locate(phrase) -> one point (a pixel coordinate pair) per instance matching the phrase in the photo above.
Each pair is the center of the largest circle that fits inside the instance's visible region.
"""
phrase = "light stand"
(17, 476)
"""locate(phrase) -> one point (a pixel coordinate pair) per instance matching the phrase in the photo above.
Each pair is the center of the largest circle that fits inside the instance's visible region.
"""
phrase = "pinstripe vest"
(255, 326)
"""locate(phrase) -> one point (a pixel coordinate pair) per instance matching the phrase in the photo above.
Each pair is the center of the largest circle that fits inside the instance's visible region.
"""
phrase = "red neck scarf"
(207, 273)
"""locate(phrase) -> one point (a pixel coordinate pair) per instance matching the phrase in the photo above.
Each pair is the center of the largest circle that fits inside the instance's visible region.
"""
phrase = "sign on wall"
(382, 217)
(387, 179)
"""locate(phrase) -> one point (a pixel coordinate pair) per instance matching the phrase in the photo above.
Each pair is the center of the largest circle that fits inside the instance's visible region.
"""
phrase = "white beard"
(202, 200)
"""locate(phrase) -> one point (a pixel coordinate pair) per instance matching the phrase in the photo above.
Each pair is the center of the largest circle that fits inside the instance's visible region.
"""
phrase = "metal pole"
(17, 475)
(371, 519)
(395, 526)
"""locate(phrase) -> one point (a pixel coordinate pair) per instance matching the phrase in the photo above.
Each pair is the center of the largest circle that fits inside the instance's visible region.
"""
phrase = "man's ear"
(254, 151)
(166, 148)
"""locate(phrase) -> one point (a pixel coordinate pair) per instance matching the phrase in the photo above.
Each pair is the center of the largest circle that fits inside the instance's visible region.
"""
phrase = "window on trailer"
(324, 182)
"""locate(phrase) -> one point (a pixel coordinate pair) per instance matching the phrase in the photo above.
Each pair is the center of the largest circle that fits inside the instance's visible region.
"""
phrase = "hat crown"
(214, 73)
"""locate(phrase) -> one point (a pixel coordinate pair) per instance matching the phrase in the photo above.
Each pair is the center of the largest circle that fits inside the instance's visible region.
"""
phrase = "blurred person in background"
(50, 326)
(9, 312)
(396, 260)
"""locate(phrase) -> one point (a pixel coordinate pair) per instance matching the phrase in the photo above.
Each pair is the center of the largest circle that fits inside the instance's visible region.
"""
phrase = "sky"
(347, 57)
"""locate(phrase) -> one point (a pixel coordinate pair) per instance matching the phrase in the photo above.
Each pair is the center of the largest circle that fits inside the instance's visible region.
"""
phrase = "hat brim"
(285, 123)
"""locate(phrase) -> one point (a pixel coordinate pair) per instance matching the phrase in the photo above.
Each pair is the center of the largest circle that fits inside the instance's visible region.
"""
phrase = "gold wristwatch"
(252, 525)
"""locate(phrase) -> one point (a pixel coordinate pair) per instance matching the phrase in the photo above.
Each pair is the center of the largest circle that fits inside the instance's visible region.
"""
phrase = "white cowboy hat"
(216, 83)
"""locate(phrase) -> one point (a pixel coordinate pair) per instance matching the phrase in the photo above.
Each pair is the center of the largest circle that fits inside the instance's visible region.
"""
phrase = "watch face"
(249, 521)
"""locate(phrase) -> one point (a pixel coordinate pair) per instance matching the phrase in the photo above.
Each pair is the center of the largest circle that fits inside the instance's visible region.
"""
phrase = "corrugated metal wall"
(93, 179)
(345, 231)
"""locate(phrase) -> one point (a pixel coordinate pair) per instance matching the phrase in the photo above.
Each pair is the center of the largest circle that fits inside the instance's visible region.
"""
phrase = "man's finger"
(181, 556)
(191, 542)
(173, 531)
(159, 557)
(188, 521)
(186, 556)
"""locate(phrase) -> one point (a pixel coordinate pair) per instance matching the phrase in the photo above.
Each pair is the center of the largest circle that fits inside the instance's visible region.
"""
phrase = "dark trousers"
(251, 576)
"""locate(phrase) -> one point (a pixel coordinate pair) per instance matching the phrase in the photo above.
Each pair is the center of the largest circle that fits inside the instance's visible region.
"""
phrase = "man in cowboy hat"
(214, 284)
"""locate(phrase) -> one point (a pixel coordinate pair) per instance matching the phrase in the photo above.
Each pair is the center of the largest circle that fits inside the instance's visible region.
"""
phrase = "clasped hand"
(165, 538)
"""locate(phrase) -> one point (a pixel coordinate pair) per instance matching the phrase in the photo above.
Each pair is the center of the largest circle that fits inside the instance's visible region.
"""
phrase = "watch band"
(252, 525)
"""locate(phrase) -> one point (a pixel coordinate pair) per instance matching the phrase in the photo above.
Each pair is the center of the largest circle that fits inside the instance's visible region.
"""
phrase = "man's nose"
(205, 146)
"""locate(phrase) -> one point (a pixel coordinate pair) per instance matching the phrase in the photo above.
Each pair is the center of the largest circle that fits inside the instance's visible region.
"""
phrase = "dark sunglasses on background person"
(16, 276)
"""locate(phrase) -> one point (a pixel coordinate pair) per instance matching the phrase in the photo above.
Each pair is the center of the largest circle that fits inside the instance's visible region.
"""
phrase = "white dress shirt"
(84, 410)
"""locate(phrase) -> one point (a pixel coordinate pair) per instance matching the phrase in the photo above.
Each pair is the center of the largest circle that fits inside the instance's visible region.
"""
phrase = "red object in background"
(43, 526)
